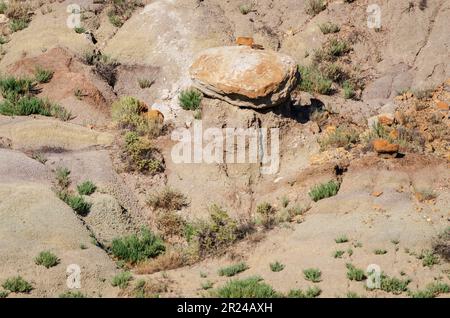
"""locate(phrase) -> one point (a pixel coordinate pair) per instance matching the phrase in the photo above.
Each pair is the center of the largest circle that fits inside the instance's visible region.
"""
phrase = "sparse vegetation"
(312, 275)
(324, 190)
(19, 100)
(62, 178)
(348, 90)
(207, 285)
(342, 136)
(190, 99)
(338, 254)
(79, 30)
(276, 267)
(122, 280)
(145, 83)
(169, 260)
(72, 294)
(354, 273)
(121, 11)
(17, 285)
(429, 259)
(312, 80)
(425, 194)
(4, 293)
(245, 8)
(43, 75)
(441, 245)
(329, 27)
(39, 157)
(126, 112)
(341, 239)
(137, 247)
(380, 251)
(46, 259)
(220, 232)
(140, 155)
(252, 287)
(431, 291)
(168, 199)
(86, 188)
(311, 292)
(267, 214)
(77, 203)
(314, 7)
(394, 285)
(233, 270)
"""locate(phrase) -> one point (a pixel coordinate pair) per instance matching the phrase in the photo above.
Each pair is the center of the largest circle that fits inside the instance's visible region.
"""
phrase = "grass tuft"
(324, 190)
(46, 259)
(312, 274)
(233, 270)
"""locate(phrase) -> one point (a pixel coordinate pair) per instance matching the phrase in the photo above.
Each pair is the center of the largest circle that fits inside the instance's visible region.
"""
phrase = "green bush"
(252, 287)
(314, 7)
(79, 30)
(62, 177)
(311, 292)
(4, 293)
(140, 155)
(432, 290)
(126, 112)
(354, 273)
(428, 258)
(312, 274)
(267, 214)
(313, 81)
(43, 75)
(342, 137)
(233, 270)
(190, 99)
(3, 7)
(78, 204)
(329, 27)
(341, 239)
(17, 285)
(276, 267)
(86, 188)
(338, 254)
(122, 280)
(19, 100)
(324, 190)
(13, 88)
(18, 24)
(46, 259)
(136, 248)
(348, 90)
(220, 232)
(393, 284)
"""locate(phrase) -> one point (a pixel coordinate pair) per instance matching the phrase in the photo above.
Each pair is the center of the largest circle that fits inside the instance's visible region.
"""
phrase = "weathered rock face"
(243, 76)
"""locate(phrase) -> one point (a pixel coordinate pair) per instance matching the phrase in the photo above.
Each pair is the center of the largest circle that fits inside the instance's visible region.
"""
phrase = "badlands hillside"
(96, 200)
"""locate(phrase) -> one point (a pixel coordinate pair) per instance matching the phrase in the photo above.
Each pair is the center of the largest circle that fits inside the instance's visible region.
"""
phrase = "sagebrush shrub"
(86, 188)
(190, 99)
(17, 285)
(138, 247)
(324, 190)
(46, 259)
(251, 287)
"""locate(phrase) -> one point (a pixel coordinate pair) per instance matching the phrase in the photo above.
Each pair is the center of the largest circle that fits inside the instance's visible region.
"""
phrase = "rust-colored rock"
(386, 120)
(383, 146)
(442, 105)
(243, 76)
(154, 115)
(245, 41)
